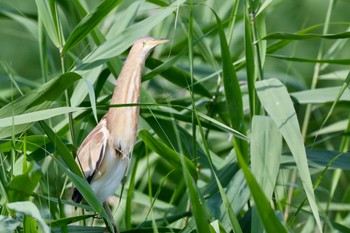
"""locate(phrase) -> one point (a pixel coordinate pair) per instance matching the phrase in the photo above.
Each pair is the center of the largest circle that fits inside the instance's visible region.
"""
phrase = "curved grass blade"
(88, 23)
(276, 101)
(283, 43)
(298, 59)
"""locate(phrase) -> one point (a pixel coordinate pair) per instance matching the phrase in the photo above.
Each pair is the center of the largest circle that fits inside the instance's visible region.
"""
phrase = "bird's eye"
(143, 43)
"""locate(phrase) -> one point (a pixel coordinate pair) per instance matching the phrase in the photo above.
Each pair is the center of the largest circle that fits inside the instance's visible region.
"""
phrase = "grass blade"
(268, 217)
(233, 93)
(35, 100)
(266, 150)
(277, 103)
(299, 59)
(321, 95)
(250, 62)
(46, 10)
(35, 116)
(292, 36)
(29, 209)
(88, 23)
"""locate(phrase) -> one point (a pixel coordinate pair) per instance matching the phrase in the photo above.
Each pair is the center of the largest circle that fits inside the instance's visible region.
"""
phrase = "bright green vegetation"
(244, 122)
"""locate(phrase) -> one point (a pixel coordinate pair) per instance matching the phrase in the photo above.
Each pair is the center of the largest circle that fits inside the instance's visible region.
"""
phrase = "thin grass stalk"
(190, 58)
(232, 21)
(129, 194)
(250, 63)
(317, 69)
(259, 59)
(24, 164)
(13, 140)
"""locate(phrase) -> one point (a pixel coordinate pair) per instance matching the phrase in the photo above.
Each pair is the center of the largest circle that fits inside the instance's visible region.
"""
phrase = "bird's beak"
(156, 42)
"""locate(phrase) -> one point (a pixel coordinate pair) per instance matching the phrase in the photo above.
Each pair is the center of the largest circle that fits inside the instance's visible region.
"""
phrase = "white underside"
(108, 183)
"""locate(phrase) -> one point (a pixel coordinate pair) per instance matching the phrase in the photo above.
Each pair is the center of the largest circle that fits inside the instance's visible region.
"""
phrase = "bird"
(104, 155)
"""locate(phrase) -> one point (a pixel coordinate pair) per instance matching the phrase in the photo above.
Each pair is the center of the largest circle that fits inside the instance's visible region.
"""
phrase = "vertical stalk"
(232, 21)
(316, 70)
(254, 61)
(190, 58)
(70, 115)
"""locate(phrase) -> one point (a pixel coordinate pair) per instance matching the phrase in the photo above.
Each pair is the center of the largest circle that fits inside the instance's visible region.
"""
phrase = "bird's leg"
(111, 218)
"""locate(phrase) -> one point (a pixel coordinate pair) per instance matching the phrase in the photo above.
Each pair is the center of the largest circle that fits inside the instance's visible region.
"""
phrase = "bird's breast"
(124, 129)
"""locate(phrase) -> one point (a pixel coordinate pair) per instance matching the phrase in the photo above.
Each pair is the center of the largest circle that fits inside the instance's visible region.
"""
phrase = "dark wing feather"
(91, 153)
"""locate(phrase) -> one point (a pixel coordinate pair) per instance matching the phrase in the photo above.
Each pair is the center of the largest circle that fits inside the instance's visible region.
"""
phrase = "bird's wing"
(92, 150)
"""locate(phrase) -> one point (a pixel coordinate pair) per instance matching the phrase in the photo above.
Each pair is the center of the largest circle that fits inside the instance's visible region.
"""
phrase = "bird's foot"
(111, 219)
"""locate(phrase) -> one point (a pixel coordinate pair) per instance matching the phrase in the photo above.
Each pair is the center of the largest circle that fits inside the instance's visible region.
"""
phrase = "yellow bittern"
(104, 155)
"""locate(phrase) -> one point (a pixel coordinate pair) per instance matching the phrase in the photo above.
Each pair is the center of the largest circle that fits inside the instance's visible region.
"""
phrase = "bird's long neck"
(127, 90)
(122, 121)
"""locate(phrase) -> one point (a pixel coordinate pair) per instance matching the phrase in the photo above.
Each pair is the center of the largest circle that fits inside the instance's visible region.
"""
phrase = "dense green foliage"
(244, 116)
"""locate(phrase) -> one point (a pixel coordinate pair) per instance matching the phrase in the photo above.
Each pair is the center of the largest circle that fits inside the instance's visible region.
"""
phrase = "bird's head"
(150, 42)
(144, 46)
